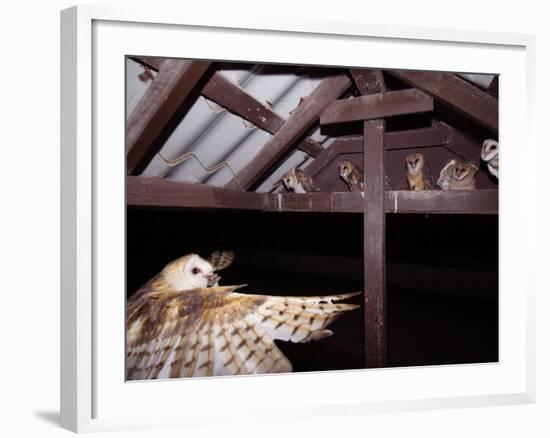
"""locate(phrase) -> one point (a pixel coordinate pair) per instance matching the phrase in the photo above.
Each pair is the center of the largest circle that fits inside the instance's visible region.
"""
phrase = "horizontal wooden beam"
(160, 192)
(437, 135)
(456, 93)
(299, 122)
(377, 106)
(442, 201)
(158, 105)
(235, 99)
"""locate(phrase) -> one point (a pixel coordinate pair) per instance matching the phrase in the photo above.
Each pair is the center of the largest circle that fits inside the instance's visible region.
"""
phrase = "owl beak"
(213, 279)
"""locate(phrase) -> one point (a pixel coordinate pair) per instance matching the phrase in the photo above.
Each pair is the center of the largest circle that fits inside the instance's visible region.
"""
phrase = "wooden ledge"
(160, 192)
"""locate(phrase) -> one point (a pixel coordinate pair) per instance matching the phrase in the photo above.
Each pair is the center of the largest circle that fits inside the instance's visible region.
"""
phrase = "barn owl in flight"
(182, 324)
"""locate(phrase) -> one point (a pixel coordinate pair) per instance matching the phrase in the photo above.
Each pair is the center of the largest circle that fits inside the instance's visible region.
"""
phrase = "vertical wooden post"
(374, 244)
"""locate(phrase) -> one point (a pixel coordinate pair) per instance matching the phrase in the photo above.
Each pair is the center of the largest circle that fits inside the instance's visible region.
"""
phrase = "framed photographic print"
(251, 207)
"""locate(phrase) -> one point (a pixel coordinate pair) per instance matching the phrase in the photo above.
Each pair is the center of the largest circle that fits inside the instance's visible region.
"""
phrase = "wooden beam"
(299, 122)
(463, 146)
(443, 201)
(235, 99)
(161, 192)
(158, 105)
(368, 80)
(377, 106)
(493, 87)
(341, 146)
(456, 93)
(437, 135)
(374, 236)
(150, 61)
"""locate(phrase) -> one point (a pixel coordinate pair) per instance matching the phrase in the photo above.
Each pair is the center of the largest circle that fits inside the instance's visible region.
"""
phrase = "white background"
(29, 314)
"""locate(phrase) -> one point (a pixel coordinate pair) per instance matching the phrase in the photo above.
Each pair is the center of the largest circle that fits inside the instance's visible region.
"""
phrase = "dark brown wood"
(161, 192)
(299, 122)
(150, 61)
(376, 106)
(335, 202)
(368, 81)
(456, 93)
(164, 96)
(339, 147)
(443, 201)
(410, 139)
(493, 87)
(235, 99)
(374, 236)
(417, 138)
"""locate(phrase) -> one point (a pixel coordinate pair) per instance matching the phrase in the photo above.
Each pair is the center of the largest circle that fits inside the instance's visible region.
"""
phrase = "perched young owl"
(352, 175)
(418, 173)
(489, 154)
(179, 326)
(457, 175)
(296, 180)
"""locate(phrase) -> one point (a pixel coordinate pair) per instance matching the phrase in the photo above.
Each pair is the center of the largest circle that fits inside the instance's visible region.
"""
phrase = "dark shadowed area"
(442, 275)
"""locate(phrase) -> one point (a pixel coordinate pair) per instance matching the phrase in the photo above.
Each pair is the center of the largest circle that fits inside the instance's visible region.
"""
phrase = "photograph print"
(300, 218)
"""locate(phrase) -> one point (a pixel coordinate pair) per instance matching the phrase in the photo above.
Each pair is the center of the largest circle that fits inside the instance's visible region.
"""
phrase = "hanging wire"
(189, 155)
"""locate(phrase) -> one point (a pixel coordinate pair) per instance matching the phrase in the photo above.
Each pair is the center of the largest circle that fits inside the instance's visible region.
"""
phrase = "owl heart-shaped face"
(461, 172)
(414, 162)
(489, 150)
(345, 168)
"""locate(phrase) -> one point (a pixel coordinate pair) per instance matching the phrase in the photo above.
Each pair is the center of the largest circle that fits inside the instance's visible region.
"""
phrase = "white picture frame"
(93, 398)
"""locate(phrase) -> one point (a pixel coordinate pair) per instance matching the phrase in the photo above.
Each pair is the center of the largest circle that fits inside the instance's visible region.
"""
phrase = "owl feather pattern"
(205, 331)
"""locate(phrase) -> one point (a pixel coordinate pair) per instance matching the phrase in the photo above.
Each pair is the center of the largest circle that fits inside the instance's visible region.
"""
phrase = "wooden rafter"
(160, 192)
(461, 145)
(150, 61)
(410, 139)
(456, 93)
(299, 122)
(158, 105)
(377, 106)
(235, 99)
(368, 81)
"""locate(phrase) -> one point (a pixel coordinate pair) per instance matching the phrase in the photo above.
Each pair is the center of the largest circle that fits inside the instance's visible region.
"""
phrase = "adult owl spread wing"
(216, 331)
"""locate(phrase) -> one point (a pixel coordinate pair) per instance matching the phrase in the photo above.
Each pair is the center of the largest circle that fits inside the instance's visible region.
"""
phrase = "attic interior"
(209, 142)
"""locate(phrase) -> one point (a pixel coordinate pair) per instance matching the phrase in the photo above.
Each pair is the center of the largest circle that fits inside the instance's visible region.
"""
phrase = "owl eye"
(195, 271)
(493, 147)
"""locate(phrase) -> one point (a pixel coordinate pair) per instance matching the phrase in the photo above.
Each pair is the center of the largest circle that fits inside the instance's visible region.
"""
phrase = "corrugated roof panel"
(193, 129)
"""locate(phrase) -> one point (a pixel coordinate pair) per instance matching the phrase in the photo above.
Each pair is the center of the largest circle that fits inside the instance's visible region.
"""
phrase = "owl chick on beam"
(297, 181)
(182, 324)
(352, 175)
